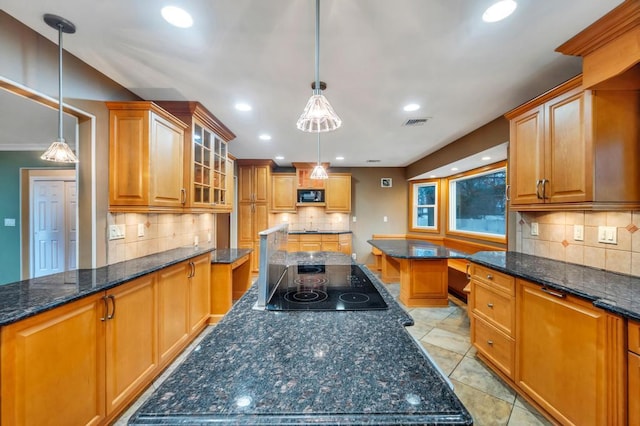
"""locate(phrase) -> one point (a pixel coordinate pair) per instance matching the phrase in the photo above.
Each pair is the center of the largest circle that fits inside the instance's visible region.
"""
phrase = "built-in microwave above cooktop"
(311, 196)
(324, 288)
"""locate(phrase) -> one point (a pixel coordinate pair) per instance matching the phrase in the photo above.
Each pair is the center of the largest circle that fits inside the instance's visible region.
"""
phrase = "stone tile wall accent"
(313, 218)
(555, 239)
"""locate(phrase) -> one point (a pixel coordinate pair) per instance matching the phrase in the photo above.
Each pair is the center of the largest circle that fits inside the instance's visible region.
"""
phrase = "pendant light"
(318, 116)
(59, 151)
(318, 171)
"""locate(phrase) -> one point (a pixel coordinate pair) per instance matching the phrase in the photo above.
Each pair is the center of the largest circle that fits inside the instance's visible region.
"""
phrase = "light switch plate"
(116, 232)
(578, 232)
(534, 228)
(9, 221)
(141, 230)
(607, 234)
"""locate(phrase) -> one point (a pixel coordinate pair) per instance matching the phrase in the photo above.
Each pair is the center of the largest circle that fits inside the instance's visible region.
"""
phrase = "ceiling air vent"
(373, 161)
(412, 122)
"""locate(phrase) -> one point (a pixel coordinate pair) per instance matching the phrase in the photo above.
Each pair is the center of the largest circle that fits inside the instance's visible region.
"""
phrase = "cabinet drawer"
(634, 337)
(330, 246)
(495, 307)
(329, 237)
(310, 246)
(305, 238)
(494, 345)
(496, 279)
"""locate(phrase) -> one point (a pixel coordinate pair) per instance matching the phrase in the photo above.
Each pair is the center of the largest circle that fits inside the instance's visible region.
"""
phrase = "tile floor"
(444, 332)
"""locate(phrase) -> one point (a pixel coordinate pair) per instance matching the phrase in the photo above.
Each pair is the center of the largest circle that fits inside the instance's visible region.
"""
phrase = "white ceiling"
(376, 56)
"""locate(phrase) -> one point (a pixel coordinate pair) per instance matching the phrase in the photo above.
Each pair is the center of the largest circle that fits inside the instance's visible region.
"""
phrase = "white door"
(71, 243)
(49, 234)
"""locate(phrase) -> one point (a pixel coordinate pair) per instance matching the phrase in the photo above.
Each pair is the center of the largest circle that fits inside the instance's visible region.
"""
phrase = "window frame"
(414, 184)
(489, 169)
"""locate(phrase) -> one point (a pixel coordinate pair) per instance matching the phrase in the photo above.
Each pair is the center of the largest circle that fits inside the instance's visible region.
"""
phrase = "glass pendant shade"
(319, 173)
(318, 116)
(59, 152)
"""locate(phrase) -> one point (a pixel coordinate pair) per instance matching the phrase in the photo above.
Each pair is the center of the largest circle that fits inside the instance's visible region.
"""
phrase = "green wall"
(10, 165)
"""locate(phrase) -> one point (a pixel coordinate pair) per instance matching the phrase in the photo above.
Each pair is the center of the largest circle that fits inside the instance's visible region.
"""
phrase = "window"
(424, 206)
(477, 204)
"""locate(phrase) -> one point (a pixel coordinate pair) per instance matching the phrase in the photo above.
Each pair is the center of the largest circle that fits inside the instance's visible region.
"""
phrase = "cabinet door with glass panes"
(209, 170)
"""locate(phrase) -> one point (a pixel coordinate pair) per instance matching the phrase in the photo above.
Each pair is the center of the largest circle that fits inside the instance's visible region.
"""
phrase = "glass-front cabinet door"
(209, 168)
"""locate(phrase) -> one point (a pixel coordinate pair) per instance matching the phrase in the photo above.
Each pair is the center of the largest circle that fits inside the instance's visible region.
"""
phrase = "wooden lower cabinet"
(53, 367)
(131, 344)
(634, 388)
(199, 293)
(173, 310)
(570, 357)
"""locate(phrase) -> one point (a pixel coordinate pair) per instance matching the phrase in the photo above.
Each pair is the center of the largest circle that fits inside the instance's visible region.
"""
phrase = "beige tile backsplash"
(313, 218)
(163, 231)
(555, 239)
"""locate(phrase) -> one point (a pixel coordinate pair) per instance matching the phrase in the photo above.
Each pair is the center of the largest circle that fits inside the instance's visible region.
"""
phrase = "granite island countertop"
(27, 298)
(617, 293)
(320, 232)
(229, 255)
(301, 367)
(416, 249)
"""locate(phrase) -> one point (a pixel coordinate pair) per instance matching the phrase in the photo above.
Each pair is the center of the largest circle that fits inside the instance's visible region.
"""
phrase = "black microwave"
(311, 195)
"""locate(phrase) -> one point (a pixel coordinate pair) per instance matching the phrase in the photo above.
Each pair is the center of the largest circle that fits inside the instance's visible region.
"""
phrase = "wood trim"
(616, 370)
(147, 106)
(623, 18)
(546, 96)
(589, 206)
(437, 207)
(254, 162)
(196, 109)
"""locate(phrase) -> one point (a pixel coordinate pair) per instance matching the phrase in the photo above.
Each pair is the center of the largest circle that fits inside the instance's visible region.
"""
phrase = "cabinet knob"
(490, 305)
(489, 276)
(490, 342)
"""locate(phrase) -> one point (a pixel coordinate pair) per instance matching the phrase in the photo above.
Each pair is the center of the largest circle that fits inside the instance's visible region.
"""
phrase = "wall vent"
(373, 161)
(415, 122)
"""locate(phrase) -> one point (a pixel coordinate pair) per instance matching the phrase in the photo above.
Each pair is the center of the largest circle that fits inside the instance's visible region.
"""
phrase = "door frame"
(86, 178)
(28, 177)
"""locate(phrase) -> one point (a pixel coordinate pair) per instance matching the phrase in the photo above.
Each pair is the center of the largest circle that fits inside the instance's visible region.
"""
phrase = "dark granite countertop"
(416, 249)
(26, 298)
(301, 367)
(616, 293)
(228, 255)
(299, 232)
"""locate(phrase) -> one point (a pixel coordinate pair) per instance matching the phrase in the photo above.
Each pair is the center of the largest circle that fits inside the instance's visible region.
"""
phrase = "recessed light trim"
(264, 137)
(411, 107)
(279, 157)
(454, 169)
(177, 17)
(339, 158)
(499, 10)
(243, 106)
(486, 158)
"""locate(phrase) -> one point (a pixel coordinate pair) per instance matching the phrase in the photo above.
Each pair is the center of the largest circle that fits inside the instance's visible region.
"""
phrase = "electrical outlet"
(141, 230)
(534, 228)
(116, 232)
(608, 234)
(354, 218)
(354, 256)
(578, 232)
(385, 219)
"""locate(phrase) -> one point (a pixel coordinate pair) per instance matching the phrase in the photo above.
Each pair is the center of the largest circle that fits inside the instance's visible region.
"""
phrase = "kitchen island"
(322, 367)
(421, 267)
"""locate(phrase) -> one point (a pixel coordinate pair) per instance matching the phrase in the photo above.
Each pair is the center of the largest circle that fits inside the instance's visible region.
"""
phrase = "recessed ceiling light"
(340, 158)
(411, 107)
(177, 17)
(433, 176)
(454, 169)
(241, 106)
(499, 10)
(279, 157)
(486, 158)
(265, 137)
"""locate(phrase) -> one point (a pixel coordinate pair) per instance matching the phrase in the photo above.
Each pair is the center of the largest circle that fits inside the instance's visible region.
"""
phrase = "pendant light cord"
(318, 148)
(60, 26)
(317, 88)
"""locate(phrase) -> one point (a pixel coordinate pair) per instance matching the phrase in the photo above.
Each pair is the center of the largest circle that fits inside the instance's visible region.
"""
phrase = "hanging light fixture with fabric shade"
(318, 171)
(59, 151)
(318, 116)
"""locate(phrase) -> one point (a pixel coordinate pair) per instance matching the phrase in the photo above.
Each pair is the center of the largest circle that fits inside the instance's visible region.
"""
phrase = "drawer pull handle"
(490, 305)
(554, 293)
(490, 342)
(467, 271)
(489, 276)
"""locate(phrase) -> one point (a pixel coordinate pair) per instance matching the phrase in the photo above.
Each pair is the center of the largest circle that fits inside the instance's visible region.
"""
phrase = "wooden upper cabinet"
(145, 157)
(303, 173)
(283, 192)
(572, 148)
(338, 193)
(207, 172)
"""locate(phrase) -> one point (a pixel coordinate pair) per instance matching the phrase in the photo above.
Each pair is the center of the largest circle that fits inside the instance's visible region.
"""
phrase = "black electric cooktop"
(325, 288)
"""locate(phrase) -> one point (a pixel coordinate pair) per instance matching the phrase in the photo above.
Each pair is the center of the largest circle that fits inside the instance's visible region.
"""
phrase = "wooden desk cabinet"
(229, 281)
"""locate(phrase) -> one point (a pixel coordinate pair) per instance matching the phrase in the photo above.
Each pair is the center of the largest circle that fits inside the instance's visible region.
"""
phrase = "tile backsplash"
(162, 231)
(555, 238)
(312, 218)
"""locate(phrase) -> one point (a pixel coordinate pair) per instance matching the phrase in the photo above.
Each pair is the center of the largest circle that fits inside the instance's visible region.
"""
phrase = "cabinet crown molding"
(546, 96)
